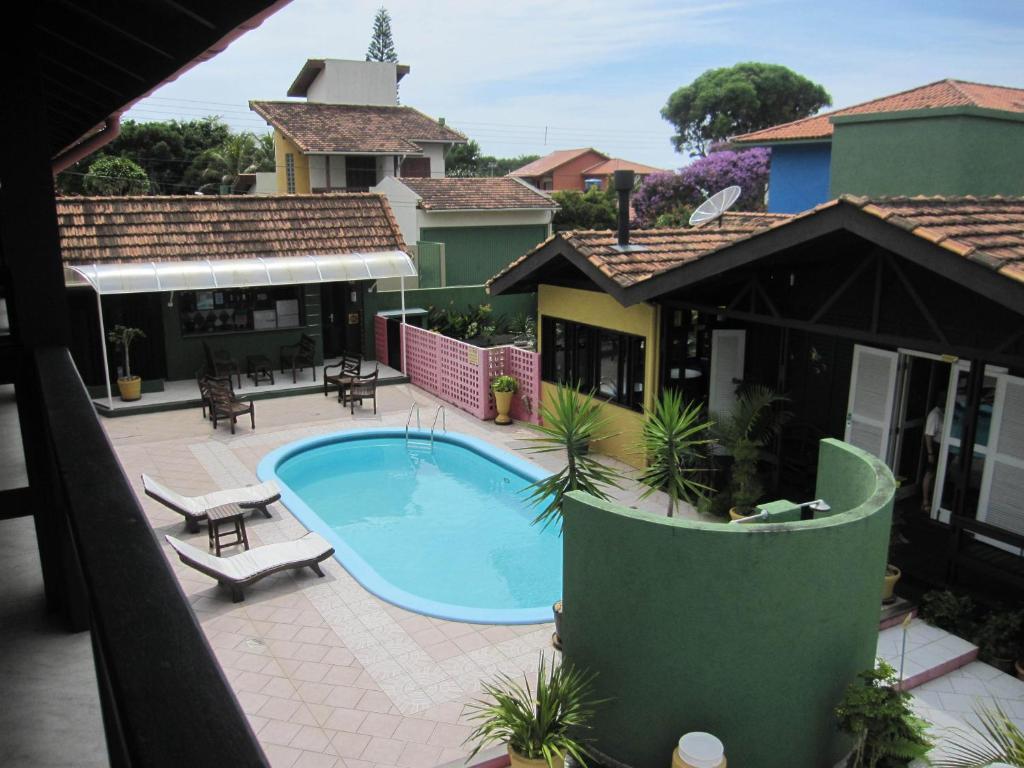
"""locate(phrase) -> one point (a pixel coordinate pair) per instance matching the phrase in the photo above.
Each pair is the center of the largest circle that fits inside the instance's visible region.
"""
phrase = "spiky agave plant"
(996, 740)
(536, 722)
(570, 421)
(672, 442)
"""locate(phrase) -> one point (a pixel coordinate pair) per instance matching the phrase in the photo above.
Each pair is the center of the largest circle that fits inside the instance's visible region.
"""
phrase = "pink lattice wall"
(380, 338)
(461, 373)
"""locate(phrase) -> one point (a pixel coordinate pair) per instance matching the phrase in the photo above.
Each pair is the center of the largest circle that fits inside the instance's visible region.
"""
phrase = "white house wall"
(435, 151)
(403, 204)
(483, 218)
(355, 82)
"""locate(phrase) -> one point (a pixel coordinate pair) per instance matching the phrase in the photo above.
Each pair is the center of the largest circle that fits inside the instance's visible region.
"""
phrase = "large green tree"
(240, 153)
(593, 209)
(115, 176)
(732, 100)
(382, 45)
(467, 160)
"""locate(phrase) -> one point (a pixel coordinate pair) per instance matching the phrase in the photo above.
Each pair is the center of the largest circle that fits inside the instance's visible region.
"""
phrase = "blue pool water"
(443, 531)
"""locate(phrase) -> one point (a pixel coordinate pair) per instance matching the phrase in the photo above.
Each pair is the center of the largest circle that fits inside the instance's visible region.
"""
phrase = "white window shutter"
(872, 393)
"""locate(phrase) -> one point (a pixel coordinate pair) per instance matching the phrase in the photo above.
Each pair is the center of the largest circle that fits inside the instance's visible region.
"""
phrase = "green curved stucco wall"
(750, 632)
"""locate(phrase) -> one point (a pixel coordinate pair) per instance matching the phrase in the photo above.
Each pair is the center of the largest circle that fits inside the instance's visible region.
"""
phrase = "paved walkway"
(328, 674)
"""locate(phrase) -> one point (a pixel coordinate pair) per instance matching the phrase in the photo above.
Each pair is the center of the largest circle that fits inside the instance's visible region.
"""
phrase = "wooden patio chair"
(360, 388)
(298, 356)
(220, 363)
(203, 381)
(224, 404)
(349, 368)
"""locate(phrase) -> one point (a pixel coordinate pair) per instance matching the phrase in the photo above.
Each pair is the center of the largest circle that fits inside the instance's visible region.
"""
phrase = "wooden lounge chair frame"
(194, 508)
(245, 568)
(349, 368)
(298, 356)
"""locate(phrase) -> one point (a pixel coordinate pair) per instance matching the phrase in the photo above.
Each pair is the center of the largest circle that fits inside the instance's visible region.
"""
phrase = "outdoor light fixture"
(809, 508)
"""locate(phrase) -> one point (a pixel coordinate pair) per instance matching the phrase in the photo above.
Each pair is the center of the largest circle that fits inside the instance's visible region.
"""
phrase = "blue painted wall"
(799, 177)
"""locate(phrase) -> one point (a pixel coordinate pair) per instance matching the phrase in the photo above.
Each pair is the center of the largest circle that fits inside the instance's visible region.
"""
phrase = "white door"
(1002, 484)
(727, 350)
(869, 410)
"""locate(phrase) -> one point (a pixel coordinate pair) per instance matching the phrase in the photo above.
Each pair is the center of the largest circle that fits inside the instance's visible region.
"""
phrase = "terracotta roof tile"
(460, 194)
(549, 162)
(663, 249)
(608, 167)
(125, 229)
(944, 93)
(317, 128)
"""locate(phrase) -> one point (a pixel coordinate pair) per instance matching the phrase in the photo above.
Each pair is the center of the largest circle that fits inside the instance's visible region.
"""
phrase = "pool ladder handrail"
(415, 408)
(444, 424)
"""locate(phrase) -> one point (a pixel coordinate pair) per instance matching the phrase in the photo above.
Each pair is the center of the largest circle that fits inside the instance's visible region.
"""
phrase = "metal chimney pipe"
(624, 185)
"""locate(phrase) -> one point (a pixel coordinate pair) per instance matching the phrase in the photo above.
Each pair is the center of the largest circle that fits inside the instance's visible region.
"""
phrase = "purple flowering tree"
(668, 198)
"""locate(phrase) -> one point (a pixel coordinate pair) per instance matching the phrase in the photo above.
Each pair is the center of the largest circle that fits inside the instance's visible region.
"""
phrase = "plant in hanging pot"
(539, 725)
(743, 433)
(503, 387)
(122, 336)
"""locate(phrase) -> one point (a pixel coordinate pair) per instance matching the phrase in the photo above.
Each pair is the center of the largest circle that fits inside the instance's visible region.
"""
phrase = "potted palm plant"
(122, 336)
(672, 443)
(754, 421)
(537, 724)
(570, 420)
(996, 740)
(503, 387)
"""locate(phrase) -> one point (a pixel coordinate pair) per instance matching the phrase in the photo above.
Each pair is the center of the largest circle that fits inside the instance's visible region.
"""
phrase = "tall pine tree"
(382, 46)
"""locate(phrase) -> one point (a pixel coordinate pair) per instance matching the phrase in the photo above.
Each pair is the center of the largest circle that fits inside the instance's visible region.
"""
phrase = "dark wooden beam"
(844, 286)
(922, 307)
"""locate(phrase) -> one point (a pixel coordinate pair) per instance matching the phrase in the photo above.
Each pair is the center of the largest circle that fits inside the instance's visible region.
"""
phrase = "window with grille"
(289, 172)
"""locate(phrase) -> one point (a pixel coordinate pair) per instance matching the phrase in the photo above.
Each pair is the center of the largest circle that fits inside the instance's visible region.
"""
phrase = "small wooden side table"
(222, 516)
(259, 369)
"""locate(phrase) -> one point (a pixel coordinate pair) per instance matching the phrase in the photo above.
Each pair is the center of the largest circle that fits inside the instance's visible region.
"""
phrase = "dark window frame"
(235, 311)
(579, 361)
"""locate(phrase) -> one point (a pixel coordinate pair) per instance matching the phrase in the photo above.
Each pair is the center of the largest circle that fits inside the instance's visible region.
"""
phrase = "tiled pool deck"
(331, 676)
(328, 674)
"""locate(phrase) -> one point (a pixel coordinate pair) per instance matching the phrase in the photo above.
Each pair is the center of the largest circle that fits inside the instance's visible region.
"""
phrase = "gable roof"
(197, 228)
(659, 249)
(351, 128)
(950, 235)
(944, 93)
(549, 162)
(464, 194)
(608, 167)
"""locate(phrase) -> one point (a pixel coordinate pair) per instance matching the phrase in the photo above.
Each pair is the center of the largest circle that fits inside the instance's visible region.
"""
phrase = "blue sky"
(531, 76)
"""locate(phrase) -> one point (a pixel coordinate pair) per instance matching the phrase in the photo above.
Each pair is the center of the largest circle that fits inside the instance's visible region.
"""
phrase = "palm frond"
(997, 740)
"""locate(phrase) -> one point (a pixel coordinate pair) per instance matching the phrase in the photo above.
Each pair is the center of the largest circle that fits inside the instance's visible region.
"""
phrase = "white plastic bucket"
(701, 750)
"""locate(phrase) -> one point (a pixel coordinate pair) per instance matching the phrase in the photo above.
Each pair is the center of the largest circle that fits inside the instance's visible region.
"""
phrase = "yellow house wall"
(282, 146)
(601, 310)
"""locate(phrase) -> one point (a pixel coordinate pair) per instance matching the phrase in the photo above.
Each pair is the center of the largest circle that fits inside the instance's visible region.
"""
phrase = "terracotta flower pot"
(130, 389)
(518, 761)
(503, 402)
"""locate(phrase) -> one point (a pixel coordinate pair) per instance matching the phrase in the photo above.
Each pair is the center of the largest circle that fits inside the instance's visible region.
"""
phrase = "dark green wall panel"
(475, 254)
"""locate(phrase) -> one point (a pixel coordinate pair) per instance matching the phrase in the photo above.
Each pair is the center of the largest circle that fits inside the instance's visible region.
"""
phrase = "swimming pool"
(444, 531)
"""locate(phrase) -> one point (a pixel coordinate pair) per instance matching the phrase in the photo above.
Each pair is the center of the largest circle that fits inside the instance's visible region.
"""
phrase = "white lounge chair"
(194, 508)
(244, 568)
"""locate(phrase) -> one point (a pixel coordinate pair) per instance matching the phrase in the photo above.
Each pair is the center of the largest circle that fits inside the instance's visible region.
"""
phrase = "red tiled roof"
(454, 194)
(986, 230)
(196, 227)
(944, 93)
(663, 248)
(608, 167)
(549, 162)
(319, 128)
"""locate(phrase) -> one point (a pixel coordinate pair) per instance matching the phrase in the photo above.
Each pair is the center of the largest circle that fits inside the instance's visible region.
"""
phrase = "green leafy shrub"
(947, 610)
(476, 321)
(536, 722)
(1001, 636)
(504, 384)
(886, 732)
(122, 336)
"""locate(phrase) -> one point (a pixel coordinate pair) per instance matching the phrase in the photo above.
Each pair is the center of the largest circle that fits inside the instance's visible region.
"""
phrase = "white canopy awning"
(155, 276)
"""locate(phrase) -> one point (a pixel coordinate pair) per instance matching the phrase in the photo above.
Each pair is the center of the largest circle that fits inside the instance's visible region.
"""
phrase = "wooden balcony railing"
(164, 698)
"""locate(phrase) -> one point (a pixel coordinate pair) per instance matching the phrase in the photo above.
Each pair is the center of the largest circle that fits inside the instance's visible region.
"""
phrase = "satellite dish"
(715, 206)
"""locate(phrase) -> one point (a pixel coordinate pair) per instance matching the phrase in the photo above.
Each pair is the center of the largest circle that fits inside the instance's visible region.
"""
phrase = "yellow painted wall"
(282, 146)
(600, 309)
